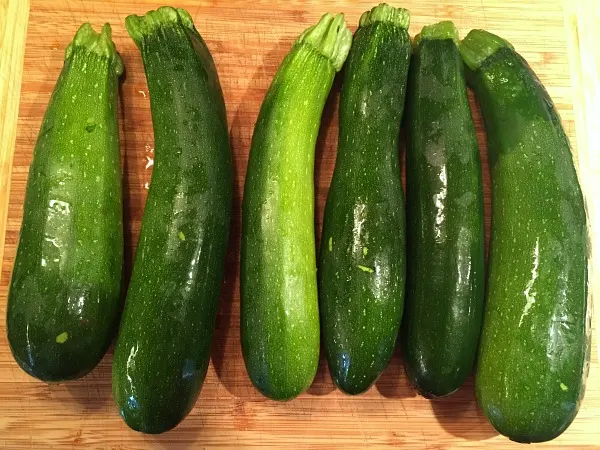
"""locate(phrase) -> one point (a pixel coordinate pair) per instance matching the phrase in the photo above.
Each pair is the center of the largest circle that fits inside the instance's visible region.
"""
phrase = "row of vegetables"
(529, 338)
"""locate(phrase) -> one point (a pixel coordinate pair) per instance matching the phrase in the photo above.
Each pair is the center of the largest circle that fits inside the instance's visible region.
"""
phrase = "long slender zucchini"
(163, 348)
(534, 350)
(445, 280)
(279, 310)
(64, 293)
(362, 257)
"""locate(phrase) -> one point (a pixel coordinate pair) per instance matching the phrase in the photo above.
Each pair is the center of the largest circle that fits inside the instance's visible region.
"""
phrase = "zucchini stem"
(478, 45)
(330, 37)
(139, 27)
(441, 30)
(386, 13)
(99, 43)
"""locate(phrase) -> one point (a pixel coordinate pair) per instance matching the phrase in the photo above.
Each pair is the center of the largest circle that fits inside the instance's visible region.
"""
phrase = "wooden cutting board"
(248, 41)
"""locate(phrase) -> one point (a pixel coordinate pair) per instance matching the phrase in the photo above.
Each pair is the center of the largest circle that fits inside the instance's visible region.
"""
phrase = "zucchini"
(64, 293)
(534, 350)
(164, 342)
(279, 304)
(362, 256)
(445, 234)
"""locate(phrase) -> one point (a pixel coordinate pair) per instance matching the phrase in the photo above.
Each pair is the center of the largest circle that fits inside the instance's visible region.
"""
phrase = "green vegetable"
(64, 293)
(445, 279)
(534, 350)
(279, 304)
(362, 270)
(163, 349)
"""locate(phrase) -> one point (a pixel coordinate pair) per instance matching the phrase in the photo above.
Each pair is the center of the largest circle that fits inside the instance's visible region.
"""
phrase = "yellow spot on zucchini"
(62, 337)
(365, 251)
(330, 243)
(181, 236)
(564, 387)
(365, 269)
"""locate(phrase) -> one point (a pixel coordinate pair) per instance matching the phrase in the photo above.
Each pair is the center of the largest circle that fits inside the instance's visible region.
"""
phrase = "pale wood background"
(248, 40)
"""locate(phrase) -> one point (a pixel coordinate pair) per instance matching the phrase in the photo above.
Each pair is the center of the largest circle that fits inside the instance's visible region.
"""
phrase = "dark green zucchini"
(362, 256)
(445, 235)
(164, 342)
(64, 293)
(534, 350)
(279, 304)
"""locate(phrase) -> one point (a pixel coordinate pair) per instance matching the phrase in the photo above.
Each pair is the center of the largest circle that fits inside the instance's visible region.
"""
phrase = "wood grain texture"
(13, 29)
(248, 41)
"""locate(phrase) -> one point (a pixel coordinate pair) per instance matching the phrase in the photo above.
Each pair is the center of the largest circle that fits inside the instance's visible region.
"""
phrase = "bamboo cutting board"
(248, 41)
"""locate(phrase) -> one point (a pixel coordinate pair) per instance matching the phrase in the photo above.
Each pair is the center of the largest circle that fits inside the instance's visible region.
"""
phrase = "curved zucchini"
(163, 348)
(64, 293)
(279, 305)
(534, 349)
(362, 257)
(445, 279)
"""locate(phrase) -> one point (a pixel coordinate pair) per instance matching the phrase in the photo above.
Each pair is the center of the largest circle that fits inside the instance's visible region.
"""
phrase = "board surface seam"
(581, 19)
(13, 31)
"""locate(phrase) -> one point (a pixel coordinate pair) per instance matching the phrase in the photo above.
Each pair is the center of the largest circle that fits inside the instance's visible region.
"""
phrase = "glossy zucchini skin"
(64, 292)
(279, 304)
(362, 255)
(164, 342)
(445, 233)
(534, 350)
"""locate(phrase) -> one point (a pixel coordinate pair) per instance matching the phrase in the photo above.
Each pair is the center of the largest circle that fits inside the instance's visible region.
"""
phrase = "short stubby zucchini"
(362, 255)
(534, 350)
(163, 349)
(64, 294)
(445, 234)
(279, 304)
